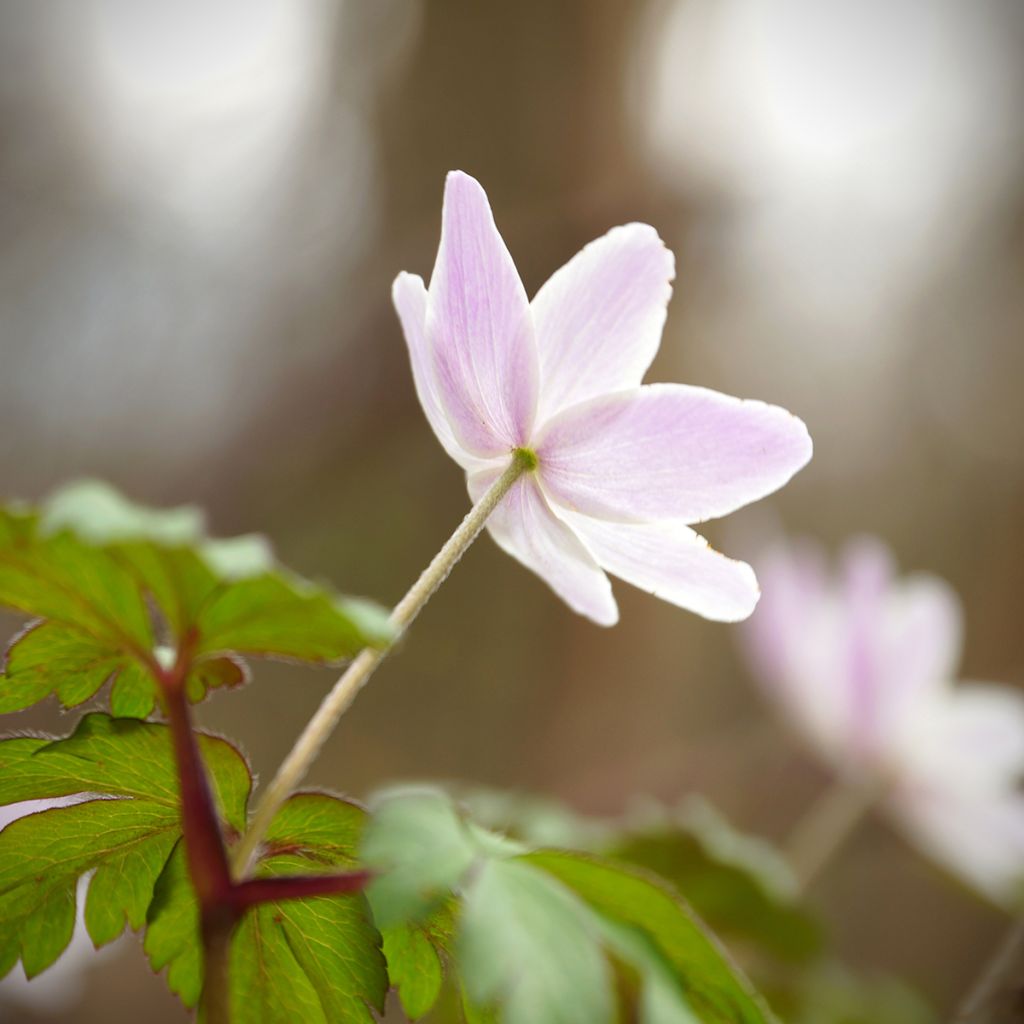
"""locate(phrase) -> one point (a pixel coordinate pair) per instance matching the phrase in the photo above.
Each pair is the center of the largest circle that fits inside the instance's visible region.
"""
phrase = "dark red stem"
(222, 902)
(293, 887)
(204, 844)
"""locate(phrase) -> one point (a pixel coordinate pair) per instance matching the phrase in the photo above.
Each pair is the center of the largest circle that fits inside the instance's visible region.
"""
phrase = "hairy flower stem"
(294, 767)
(829, 823)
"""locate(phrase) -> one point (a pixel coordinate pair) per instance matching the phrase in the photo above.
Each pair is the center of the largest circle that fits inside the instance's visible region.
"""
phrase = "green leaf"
(422, 846)
(172, 930)
(739, 884)
(94, 567)
(315, 960)
(832, 994)
(527, 943)
(126, 841)
(538, 931)
(414, 967)
(716, 990)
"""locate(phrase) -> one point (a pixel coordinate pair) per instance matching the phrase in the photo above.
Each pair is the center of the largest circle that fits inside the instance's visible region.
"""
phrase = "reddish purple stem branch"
(222, 901)
(291, 887)
(204, 844)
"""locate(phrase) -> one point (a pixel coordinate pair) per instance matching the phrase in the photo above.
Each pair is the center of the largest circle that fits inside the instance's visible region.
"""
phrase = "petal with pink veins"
(479, 328)
(668, 451)
(410, 299)
(672, 562)
(599, 318)
(524, 526)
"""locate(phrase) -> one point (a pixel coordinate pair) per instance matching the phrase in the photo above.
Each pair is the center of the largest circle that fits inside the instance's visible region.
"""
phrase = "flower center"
(526, 458)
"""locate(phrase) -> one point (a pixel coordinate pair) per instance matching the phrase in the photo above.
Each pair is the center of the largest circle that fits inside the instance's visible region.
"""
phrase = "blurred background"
(202, 208)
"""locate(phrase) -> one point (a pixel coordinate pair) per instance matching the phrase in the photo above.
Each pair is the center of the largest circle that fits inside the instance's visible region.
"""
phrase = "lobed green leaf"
(111, 581)
(319, 957)
(544, 935)
(123, 828)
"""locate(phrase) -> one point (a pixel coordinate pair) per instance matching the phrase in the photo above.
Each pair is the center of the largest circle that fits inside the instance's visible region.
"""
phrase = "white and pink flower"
(622, 468)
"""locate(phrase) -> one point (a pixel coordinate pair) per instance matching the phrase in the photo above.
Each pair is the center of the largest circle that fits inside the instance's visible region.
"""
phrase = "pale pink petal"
(672, 562)
(479, 328)
(794, 583)
(798, 642)
(981, 840)
(866, 576)
(920, 645)
(410, 299)
(968, 739)
(524, 526)
(599, 318)
(668, 451)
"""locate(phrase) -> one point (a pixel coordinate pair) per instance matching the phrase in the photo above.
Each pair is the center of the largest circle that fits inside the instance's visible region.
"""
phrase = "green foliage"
(317, 960)
(415, 968)
(831, 994)
(126, 840)
(542, 935)
(738, 884)
(93, 567)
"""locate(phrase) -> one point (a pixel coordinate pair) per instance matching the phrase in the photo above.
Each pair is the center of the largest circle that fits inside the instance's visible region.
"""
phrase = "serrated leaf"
(414, 968)
(536, 929)
(740, 884)
(124, 830)
(527, 943)
(737, 883)
(715, 989)
(315, 960)
(93, 566)
(422, 847)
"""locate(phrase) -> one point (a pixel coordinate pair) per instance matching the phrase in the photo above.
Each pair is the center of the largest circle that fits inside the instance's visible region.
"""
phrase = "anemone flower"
(862, 663)
(619, 470)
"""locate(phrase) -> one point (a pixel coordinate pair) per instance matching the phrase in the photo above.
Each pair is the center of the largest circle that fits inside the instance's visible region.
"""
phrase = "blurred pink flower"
(863, 664)
(622, 468)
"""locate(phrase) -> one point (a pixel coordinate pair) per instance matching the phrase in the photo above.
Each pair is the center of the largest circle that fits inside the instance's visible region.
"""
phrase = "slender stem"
(204, 844)
(218, 926)
(293, 887)
(822, 831)
(1002, 978)
(294, 767)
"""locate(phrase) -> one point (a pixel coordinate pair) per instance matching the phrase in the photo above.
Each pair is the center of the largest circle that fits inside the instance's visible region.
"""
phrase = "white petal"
(599, 318)
(410, 298)
(524, 526)
(672, 562)
(967, 739)
(919, 646)
(668, 451)
(480, 328)
(982, 840)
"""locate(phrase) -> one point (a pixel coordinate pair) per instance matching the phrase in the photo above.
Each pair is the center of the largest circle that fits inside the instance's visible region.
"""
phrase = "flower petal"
(599, 318)
(524, 526)
(668, 451)
(479, 327)
(672, 562)
(410, 298)
(920, 645)
(981, 840)
(968, 739)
